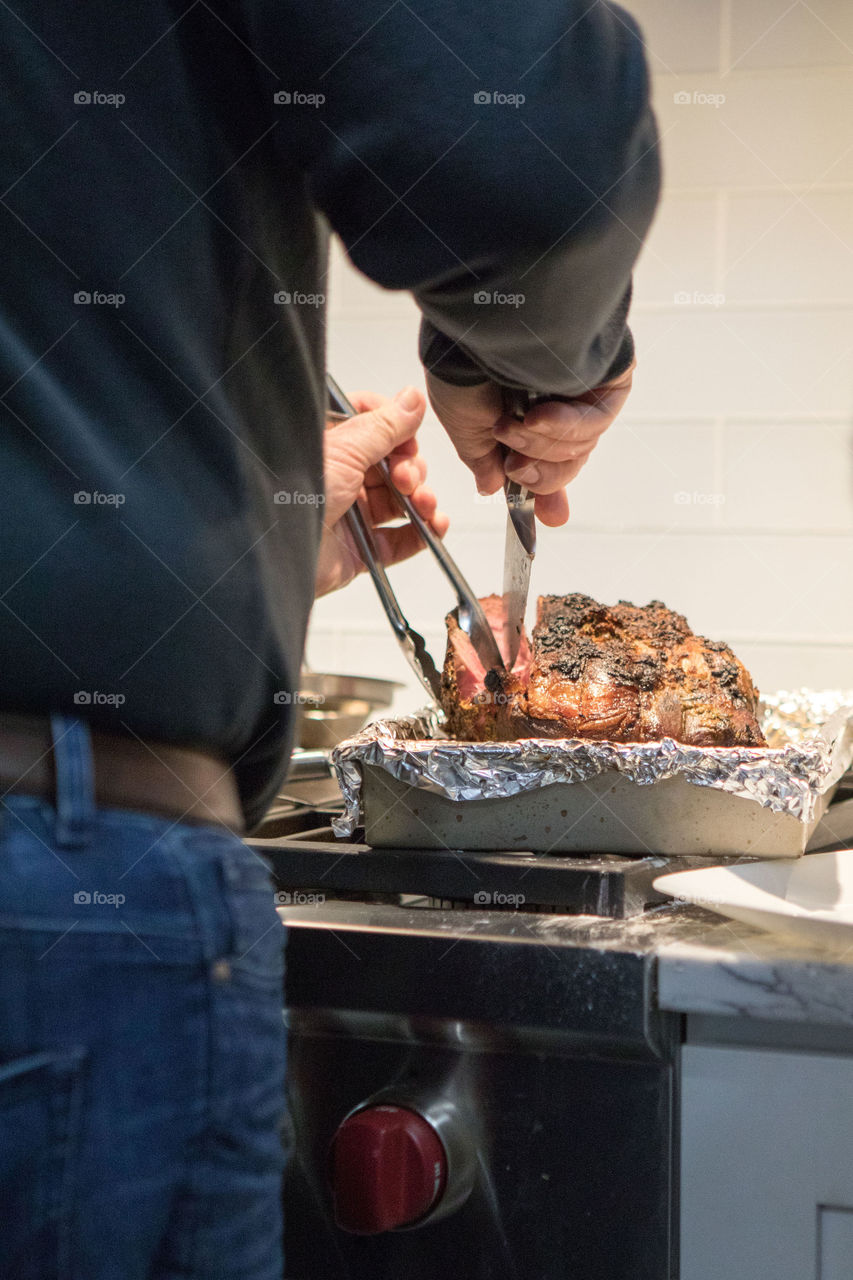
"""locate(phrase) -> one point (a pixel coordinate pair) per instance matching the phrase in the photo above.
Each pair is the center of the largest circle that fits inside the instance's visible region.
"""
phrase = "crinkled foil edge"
(811, 732)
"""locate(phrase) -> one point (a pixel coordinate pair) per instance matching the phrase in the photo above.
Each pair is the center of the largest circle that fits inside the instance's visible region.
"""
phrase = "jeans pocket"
(257, 934)
(259, 964)
(40, 1112)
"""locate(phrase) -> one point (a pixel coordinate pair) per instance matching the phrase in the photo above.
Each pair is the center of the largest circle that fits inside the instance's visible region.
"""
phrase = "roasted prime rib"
(623, 673)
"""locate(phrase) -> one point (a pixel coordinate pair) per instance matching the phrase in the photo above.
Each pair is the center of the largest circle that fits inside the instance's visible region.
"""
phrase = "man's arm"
(515, 223)
(453, 199)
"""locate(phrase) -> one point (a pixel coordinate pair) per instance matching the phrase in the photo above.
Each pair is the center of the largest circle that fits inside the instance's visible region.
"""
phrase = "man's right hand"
(544, 452)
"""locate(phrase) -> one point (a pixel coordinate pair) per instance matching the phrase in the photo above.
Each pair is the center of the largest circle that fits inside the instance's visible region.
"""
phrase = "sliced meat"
(481, 705)
(621, 673)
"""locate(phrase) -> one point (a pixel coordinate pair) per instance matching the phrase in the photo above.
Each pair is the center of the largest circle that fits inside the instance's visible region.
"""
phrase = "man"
(167, 172)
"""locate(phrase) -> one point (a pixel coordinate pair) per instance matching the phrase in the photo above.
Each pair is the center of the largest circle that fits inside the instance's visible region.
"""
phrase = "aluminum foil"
(810, 733)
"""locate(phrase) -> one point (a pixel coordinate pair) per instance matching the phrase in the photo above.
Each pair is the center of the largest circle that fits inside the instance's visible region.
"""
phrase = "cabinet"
(766, 1165)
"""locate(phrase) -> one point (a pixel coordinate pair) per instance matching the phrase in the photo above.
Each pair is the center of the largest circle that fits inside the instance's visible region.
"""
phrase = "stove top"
(307, 860)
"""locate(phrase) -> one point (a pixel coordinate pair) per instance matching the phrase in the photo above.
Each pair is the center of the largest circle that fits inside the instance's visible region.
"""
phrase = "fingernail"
(407, 399)
(530, 475)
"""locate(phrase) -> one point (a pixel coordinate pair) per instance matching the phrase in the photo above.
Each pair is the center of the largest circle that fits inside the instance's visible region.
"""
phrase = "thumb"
(370, 437)
(354, 446)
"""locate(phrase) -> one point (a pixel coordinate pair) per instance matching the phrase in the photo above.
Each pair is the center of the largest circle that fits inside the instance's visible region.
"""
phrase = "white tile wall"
(772, 129)
(726, 489)
(682, 253)
(775, 33)
(801, 241)
(690, 44)
(726, 360)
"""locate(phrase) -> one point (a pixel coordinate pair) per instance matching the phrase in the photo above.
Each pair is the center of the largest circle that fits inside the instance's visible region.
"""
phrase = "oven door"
(561, 1142)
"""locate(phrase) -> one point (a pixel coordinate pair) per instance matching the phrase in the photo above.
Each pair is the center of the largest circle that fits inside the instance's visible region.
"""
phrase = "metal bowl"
(333, 707)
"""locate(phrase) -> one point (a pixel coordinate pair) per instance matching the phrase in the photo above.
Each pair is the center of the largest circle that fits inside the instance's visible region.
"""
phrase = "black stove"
(306, 859)
(480, 1081)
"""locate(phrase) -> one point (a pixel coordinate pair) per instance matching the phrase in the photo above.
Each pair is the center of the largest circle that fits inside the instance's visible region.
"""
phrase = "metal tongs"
(472, 619)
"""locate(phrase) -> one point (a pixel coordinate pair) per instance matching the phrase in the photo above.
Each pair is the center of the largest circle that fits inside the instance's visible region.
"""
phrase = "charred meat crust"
(623, 673)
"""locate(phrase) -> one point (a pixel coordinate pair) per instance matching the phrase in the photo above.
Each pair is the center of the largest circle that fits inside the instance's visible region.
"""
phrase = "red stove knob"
(389, 1168)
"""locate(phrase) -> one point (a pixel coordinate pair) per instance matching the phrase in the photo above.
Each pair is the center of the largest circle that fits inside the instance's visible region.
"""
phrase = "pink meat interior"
(470, 672)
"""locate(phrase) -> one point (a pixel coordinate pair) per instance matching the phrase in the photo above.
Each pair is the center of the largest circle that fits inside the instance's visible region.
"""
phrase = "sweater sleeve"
(499, 161)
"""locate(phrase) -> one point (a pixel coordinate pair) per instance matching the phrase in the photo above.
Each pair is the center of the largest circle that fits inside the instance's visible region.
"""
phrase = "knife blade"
(519, 548)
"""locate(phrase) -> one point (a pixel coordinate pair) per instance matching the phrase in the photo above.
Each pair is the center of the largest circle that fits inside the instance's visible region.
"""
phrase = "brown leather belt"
(130, 773)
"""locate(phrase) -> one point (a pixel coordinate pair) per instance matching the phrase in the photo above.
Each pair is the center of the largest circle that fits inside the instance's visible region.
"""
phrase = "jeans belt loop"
(75, 781)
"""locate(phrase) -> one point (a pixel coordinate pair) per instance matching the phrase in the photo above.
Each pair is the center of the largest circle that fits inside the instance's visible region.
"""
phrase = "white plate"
(810, 896)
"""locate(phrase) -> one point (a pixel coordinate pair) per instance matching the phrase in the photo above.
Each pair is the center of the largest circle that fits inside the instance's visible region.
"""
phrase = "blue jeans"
(142, 1044)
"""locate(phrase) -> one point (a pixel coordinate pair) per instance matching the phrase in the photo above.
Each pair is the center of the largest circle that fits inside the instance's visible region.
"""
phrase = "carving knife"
(520, 546)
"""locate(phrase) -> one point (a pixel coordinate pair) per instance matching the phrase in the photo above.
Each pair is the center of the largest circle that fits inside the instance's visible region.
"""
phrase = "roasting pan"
(420, 791)
(607, 814)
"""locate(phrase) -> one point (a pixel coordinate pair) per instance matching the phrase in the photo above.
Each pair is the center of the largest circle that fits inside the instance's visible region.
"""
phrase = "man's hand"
(544, 452)
(382, 429)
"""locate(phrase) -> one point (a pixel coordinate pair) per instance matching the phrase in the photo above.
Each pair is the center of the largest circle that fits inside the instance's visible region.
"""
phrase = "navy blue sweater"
(168, 173)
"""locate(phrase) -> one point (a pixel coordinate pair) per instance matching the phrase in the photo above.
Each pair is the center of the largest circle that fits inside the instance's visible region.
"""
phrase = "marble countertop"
(703, 963)
(720, 967)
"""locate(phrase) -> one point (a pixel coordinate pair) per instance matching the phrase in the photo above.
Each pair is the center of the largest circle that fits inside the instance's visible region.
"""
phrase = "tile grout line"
(719, 469)
(794, 71)
(725, 36)
(842, 641)
(721, 235)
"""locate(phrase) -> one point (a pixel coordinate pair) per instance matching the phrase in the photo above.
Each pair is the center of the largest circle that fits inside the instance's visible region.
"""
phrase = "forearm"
(435, 192)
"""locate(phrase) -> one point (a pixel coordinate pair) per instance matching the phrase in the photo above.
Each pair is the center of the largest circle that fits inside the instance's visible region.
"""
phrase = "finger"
(559, 416)
(382, 507)
(469, 414)
(407, 473)
(440, 523)
(407, 449)
(363, 441)
(489, 471)
(364, 401)
(612, 394)
(565, 425)
(425, 502)
(541, 477)
(396, 545)
(552, 509)
(545, 447)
